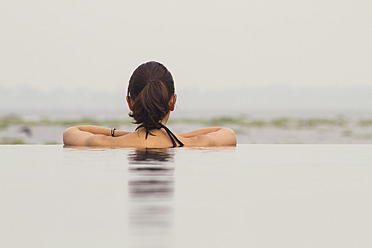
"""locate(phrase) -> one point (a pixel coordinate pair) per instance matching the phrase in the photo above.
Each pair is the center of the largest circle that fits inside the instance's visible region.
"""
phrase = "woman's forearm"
(201, 131)
(78, 135)
(213, 136)
(94, 129)
(82, 135)
(101, 130)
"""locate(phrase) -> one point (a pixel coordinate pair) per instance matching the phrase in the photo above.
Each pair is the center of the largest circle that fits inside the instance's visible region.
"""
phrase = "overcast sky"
(205, 44)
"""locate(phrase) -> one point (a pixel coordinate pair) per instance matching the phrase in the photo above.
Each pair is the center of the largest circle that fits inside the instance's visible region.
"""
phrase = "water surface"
(248, 196)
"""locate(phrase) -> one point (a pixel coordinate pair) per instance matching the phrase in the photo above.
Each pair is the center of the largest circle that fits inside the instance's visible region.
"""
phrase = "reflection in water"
(151, 188)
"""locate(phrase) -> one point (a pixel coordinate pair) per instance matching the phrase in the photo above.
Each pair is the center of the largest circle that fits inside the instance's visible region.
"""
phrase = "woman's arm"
(200, 132)
(100, 130)
(89, 135)
(210, 136)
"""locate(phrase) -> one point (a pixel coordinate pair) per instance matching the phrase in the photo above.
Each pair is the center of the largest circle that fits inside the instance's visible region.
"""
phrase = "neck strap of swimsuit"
(172, 135)
(147, 131)
(169, 132)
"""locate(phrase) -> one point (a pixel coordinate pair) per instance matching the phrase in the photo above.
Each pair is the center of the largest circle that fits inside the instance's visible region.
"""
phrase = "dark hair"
(151, 87)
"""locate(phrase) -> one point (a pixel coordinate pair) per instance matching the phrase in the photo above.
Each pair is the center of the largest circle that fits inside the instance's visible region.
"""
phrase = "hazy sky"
(221, 44)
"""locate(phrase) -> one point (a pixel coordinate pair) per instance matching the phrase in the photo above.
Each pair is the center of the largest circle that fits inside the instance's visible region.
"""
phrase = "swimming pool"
(248, 196)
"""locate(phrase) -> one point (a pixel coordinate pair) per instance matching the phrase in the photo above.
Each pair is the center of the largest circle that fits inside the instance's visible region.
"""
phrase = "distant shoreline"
(329, 129)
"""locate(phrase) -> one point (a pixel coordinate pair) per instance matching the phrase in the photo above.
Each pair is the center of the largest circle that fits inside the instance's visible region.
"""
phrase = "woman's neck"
(163, 121)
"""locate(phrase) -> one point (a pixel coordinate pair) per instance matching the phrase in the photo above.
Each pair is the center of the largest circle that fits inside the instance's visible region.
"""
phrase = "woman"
(150, 98)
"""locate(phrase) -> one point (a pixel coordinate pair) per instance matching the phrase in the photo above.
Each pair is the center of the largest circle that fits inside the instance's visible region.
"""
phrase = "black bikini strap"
(172, 135)
(147, 131)
(169, 132)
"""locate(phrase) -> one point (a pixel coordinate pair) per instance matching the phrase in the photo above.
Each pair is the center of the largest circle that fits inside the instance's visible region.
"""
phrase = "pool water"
(244, 196)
